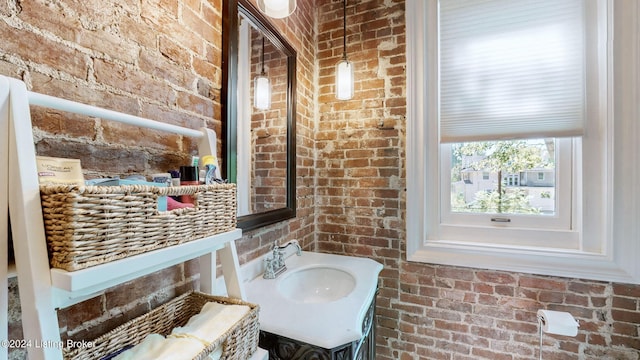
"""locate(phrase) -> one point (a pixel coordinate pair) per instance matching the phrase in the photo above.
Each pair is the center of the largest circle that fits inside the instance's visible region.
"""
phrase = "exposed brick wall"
(427, 311)
(459, 313)
(157, 60)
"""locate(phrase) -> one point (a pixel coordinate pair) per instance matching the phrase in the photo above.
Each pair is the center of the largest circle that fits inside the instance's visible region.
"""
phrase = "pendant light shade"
(344, 68)
(344, 80)
(261, 92)
(261, 87)
(277, 9)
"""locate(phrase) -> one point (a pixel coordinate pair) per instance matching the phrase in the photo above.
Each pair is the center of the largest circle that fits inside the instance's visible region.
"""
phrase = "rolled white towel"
(157, 347)
(213, 321)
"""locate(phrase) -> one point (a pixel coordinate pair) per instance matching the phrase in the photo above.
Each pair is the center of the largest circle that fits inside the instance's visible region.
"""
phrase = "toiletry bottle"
(210, 175)
(188, 176)
(175, 178)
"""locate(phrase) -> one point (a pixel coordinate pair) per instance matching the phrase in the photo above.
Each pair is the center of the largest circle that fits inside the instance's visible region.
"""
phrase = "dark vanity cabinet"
(282, 348)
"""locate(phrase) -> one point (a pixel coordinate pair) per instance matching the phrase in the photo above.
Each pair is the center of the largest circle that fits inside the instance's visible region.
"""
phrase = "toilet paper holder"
(556, 322)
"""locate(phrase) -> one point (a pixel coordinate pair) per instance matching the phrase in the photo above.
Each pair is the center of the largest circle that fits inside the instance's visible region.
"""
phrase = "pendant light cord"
(262, 57)
(344, 29)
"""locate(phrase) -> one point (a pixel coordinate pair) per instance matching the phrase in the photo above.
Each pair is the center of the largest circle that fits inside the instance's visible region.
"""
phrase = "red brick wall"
(428, 311)
(161, 59)
(153, 58)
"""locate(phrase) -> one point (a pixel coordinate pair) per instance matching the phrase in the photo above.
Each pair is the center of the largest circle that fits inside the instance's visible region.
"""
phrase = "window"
(508, 183)
(508, 195)
(557, 215)
(507, 74)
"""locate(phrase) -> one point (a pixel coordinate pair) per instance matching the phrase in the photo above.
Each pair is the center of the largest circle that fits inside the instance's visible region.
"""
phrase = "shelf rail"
(89, 110)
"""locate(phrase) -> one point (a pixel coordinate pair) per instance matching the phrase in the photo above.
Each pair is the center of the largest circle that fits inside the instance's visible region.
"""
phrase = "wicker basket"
(90, 225)
(238, 343)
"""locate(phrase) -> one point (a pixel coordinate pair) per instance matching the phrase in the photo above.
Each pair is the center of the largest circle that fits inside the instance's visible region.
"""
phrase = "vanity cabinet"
(282, 348)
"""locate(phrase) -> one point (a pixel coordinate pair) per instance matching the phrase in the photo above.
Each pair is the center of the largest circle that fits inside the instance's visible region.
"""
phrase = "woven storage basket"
(91, 225)
(238, 343)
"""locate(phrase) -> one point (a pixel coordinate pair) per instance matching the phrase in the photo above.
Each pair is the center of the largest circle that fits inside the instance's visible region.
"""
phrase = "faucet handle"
(269, 269)
(278, 258)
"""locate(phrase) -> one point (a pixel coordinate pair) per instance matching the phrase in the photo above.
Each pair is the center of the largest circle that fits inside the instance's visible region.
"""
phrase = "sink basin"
(318, 284)
(322, 299)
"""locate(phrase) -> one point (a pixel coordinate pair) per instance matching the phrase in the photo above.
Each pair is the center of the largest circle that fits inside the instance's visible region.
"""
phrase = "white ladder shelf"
(42, 289)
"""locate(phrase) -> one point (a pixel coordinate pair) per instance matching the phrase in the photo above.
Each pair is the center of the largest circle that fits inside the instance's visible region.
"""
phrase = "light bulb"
(261, 92)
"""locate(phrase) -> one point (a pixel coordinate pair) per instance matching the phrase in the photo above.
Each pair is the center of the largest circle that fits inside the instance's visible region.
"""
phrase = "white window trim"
(618, 258)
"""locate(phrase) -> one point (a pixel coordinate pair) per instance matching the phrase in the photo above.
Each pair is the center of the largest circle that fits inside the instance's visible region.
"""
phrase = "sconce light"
(277, 9)
(344, 68)
(261, 88)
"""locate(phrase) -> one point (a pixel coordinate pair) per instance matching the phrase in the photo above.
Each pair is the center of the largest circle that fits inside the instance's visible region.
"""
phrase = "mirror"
(258, 129)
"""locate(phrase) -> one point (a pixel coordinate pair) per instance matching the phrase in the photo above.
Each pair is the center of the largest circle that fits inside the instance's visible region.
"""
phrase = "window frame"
(612, 254)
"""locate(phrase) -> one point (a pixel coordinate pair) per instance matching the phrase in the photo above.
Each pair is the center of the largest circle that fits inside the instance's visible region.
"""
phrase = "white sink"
(320, 300)
(316, 284)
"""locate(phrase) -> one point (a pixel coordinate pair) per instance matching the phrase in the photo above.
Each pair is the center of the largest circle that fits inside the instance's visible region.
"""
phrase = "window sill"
(570, 264)
(495, 236)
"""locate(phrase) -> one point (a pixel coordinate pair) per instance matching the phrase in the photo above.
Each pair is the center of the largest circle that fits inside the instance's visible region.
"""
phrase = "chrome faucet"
(275, 265)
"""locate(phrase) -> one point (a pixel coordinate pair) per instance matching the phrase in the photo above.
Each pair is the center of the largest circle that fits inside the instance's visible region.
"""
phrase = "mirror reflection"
(262, 122)
(258, 100)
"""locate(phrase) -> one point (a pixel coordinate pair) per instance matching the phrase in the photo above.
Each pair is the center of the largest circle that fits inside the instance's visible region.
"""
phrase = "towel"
(157, 347)
(212, 322)
(188, 341)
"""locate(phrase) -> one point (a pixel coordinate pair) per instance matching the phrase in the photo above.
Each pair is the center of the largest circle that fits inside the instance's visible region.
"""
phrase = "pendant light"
(261, 88)
(277, 9)
(344, 68)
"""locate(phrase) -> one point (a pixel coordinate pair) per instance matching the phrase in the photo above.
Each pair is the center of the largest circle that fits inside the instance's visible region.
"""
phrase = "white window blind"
(511, 69)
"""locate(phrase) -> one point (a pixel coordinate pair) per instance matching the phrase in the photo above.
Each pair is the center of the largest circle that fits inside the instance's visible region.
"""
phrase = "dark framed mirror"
(258, 127)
